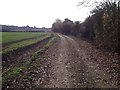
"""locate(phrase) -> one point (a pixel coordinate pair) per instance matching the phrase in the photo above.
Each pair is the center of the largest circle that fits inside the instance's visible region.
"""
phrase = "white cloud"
(41, 13)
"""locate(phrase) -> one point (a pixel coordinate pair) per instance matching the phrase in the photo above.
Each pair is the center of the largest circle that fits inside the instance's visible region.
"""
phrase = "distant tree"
(57, 26)
(67, 26)
(64, 27)
(34, 27)
(75, 28)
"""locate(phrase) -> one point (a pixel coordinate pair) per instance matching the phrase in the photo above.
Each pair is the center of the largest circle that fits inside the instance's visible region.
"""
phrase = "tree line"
(102, 26)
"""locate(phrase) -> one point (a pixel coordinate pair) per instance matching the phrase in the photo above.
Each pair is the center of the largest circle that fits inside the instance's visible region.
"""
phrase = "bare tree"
(89, 3)
(94, 3)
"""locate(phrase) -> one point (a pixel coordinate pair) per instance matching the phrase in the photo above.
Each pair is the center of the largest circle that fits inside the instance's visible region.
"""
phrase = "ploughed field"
(19, 50)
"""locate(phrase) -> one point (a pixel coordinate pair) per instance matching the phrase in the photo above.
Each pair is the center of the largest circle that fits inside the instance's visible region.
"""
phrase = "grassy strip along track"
(15, 71)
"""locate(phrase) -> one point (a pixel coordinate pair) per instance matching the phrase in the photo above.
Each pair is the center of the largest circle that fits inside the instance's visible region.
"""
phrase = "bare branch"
(94, 3)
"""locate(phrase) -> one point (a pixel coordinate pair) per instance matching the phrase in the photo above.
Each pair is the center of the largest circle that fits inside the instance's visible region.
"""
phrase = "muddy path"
(72, 66)
(70, 63)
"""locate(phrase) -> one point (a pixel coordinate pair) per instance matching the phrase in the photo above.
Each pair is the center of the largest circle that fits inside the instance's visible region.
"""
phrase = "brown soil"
(20, 55)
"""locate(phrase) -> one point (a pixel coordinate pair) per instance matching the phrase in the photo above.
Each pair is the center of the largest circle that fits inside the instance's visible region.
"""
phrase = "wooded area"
(101, 27)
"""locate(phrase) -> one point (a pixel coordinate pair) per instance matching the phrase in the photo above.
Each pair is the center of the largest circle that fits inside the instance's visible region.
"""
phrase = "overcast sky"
(40, 13)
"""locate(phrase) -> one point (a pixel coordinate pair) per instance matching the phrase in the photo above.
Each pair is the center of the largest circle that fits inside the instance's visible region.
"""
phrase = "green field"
(24, 43)
(15, 36)
(8, 37)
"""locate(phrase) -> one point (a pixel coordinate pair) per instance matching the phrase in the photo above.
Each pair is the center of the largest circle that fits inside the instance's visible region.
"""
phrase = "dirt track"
(70, 63)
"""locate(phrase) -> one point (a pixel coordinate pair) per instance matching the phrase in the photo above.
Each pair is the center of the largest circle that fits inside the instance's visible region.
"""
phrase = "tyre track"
(60, 73)
(71, 67)
(94, 76)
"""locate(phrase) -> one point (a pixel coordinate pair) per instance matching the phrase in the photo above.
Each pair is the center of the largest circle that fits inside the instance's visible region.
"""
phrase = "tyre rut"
(71, 67)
